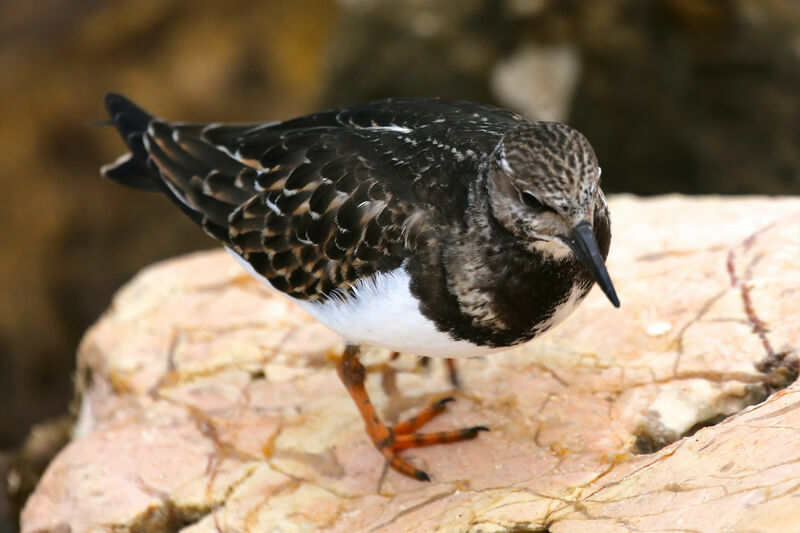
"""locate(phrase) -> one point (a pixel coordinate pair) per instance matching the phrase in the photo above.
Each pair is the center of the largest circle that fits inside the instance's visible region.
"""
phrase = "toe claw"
(444, 401)
(422, 476)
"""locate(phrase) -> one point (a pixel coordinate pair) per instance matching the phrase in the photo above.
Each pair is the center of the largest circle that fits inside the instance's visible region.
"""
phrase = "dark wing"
(422, 150)
(316, 202)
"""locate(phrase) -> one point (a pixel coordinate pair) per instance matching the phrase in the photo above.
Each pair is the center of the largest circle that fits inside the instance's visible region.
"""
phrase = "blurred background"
(690, 96)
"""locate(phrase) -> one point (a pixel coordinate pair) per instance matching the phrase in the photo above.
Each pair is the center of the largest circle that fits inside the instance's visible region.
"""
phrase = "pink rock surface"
(211, 404)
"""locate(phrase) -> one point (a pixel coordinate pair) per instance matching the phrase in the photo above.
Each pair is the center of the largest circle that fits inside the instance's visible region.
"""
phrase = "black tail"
(130, 169)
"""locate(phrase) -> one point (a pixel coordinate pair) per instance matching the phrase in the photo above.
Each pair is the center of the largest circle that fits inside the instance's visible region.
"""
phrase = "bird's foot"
(404, 435)
(389, 440)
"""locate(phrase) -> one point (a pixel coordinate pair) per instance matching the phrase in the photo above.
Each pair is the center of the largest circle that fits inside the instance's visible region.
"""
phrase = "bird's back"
(317, 202)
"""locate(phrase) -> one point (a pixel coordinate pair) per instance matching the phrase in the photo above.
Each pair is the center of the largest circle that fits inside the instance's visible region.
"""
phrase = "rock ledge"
(210, 404)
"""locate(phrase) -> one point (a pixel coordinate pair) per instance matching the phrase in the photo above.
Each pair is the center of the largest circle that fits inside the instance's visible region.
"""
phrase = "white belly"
(383, 313)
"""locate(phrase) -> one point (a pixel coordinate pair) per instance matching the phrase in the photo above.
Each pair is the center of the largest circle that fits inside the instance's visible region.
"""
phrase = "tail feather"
(131, 169)
(131, 172)
(170, 158)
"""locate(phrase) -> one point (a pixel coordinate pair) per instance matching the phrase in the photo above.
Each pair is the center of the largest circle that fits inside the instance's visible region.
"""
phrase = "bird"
(422, 225)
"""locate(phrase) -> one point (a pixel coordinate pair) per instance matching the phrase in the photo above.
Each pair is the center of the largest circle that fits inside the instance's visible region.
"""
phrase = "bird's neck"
(502, 284)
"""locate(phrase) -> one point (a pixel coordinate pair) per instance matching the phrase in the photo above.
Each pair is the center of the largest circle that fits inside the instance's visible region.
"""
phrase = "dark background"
(690, 96)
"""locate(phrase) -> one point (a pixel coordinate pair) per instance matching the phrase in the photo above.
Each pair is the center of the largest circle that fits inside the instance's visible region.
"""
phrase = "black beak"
(584, 246)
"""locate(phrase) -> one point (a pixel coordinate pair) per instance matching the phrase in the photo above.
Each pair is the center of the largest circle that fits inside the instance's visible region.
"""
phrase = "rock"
(552, 70)
(211, 404)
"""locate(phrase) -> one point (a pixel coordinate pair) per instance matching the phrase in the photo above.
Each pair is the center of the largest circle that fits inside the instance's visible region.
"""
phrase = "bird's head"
(544, 187)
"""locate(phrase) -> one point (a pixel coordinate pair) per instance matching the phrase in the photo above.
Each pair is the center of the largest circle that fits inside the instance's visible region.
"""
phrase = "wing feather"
(316, 202)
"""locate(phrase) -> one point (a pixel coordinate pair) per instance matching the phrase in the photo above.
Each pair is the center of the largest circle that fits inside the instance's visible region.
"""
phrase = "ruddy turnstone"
(425, 226)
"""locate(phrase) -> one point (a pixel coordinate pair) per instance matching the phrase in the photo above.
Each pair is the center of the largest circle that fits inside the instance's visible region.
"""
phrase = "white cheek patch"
(554, 249)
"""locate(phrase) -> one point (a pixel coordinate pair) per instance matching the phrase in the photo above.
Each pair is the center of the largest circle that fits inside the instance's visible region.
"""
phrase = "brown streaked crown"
(543, 180)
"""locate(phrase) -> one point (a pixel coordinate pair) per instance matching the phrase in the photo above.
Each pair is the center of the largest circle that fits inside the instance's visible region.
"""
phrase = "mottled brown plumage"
(430, 226)
(318, 202)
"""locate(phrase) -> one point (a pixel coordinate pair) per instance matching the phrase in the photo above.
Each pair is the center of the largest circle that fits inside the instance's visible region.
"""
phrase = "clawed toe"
(403, 435)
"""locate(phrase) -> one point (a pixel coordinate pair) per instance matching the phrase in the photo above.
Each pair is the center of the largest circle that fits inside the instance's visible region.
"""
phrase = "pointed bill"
(584, 246)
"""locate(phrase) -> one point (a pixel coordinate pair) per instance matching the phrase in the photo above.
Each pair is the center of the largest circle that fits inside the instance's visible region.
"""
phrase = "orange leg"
(453, 371)
(424, 416)
(390, 440)
(451, 368)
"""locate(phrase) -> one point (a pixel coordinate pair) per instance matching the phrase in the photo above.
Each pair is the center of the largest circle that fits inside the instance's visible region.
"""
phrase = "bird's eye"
(532, 202)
